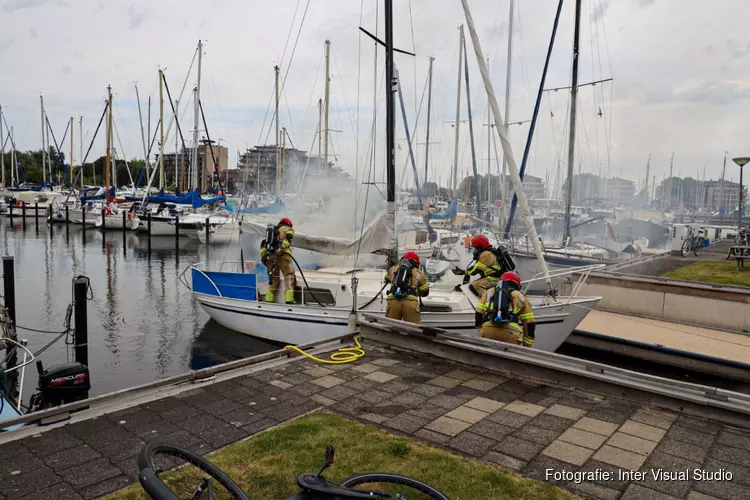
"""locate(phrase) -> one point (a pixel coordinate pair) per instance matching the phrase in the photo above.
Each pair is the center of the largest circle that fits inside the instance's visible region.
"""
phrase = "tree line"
(30, 169)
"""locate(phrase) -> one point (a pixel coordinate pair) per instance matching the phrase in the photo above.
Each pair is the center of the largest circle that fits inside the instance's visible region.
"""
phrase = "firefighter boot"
(289, 296)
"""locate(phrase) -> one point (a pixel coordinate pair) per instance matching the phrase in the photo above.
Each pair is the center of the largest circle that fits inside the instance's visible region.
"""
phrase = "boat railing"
(28, 358)
(583, 272)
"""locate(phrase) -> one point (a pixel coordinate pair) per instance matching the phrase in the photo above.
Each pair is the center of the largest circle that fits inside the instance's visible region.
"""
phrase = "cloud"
(5, 44)
(735, 50)
(602, 8)
(135, 18)
(646, 3)
(14, 5)
(65, 70)
(33, 33)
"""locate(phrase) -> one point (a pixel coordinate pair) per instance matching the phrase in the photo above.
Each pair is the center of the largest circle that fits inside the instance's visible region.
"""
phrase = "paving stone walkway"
(580, 441)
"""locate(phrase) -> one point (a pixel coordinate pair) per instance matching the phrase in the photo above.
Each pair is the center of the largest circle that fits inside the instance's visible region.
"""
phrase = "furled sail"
(377, 238)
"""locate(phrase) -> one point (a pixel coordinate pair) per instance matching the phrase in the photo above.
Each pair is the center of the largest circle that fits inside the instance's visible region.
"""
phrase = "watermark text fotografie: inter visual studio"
(599, 475)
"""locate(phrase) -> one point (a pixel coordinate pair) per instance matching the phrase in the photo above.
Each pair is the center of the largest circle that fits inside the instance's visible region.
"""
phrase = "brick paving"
(516, 424)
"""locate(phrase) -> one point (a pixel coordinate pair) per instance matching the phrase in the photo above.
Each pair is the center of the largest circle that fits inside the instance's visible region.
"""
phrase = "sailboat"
(327, 299)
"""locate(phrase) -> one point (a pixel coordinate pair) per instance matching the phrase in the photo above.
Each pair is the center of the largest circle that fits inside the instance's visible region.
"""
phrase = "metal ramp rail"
(710, 402)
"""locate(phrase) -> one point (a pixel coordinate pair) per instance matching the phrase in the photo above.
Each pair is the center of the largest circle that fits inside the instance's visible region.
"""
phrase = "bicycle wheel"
(193, 476)
(698, 247)
(687, 247)
(400, 487)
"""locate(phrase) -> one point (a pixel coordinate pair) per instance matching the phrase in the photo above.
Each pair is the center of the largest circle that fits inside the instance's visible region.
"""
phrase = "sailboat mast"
(458, 109)
(390, 119)
(648, 171)
(320, 128)
(177, 152)
(327, 104)
(80, 147)
(2, 147)
(143, 138)
(71, 162)
(507, 149)
(721, 184)
(671, 165)
(572, 132)
(161, 129)
(108, 156)
(429, 110)
(283, 151)
(147, 145)
(278, 152)
(506, 192)
(44, 146)
(489, 149)
(13, 163)
(197, 118)
(471, 135)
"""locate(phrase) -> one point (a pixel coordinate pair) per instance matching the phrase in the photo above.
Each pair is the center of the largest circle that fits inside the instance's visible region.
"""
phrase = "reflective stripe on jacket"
(285, 234)
(486, 266)
(520, 308)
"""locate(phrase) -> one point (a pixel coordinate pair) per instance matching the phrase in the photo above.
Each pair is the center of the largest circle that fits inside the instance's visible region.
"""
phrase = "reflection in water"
(143, 323)
(216, 344)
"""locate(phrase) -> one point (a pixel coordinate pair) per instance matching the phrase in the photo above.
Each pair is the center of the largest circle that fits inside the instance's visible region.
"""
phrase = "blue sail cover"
(448, 213)
(198, 202)
(273, 208)
(99, 196)
(186, 199)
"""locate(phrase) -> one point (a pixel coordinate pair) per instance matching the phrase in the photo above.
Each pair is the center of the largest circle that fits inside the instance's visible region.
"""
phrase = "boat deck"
(701, 340)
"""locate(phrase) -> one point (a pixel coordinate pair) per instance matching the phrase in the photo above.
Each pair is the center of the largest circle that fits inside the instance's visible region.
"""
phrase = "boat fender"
(19, 203)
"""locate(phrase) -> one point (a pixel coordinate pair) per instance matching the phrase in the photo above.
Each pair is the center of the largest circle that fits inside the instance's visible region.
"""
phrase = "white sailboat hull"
(27, 211)
(115, 222)
(76, 217)
(298, 324)
(163, 227)
(220, 234)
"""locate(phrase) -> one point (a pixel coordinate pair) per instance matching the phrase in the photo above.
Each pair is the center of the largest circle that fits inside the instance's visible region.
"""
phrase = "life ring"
(106, 211)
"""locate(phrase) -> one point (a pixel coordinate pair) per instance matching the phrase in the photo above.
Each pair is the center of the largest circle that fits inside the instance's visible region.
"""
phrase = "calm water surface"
(143, 323)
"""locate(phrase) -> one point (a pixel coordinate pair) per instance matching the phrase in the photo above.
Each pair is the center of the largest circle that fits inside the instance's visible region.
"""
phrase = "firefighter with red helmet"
(276, 255)
(408, 284)
(485, 264)
(504, 313)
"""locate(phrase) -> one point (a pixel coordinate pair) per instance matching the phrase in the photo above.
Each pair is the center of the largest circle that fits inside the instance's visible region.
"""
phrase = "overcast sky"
(680, 69)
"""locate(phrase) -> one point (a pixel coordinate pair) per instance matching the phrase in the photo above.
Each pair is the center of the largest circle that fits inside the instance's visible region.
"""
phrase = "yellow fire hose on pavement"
(341, 356)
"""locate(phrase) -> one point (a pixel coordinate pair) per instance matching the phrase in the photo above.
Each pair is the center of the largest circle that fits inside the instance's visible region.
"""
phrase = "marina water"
(143, 323)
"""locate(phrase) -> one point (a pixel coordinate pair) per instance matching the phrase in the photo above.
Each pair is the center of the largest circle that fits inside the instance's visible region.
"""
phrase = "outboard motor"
(60, 384)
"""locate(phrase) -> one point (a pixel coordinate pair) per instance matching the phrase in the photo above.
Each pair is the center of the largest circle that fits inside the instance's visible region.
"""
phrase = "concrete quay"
(516, 423)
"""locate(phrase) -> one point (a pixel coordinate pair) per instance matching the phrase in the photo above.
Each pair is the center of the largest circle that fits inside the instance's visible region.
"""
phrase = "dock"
(701, 340)
(514, 419)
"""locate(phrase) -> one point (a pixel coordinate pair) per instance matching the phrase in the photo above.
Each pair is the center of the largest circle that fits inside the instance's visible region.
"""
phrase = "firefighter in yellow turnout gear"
(502, 308)
(276, 255)
(486, 265)
(407, 285)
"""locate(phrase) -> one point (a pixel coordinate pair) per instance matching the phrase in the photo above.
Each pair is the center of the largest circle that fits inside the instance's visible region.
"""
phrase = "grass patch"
(724, 273)
(267, 465)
